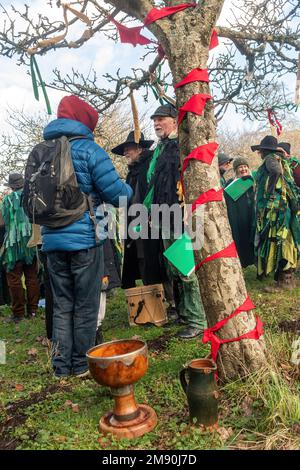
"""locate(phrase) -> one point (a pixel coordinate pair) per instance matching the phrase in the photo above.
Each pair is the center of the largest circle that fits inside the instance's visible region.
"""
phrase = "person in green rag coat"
(277, 237)
(239, 196)
(16, 257)
(163, 178)
(293, 161)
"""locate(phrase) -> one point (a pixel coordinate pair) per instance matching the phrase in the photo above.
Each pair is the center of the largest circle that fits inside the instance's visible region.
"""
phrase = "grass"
(259, 412)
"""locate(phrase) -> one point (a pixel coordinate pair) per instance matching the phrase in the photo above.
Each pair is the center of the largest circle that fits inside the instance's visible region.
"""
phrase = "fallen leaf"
(68, 403)
(102, 442)
(75, 407)
(19, 340)
(247, 406)
(60, 438)
(19, 387)
(32, 352)
(39, 339)
(225, 433)
(12, 352)
(46, 342)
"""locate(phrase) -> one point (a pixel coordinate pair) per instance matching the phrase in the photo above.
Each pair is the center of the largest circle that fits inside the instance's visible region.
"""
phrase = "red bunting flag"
(194, 105)
(196, 75)
(214, 41)
(131, 35)
(158, 13)
(228, 252)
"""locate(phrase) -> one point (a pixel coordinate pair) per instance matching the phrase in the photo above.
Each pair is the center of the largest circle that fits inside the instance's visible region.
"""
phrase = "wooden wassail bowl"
(118, 365)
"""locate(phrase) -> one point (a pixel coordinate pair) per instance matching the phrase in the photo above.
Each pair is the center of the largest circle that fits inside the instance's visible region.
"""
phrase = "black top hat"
(267, 143)
(223, 158)
(286, 146)
(15, 181)
(119, 149)
(165, 110)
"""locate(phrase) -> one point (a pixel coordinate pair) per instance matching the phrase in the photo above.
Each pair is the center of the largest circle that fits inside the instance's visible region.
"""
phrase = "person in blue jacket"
(74, 255)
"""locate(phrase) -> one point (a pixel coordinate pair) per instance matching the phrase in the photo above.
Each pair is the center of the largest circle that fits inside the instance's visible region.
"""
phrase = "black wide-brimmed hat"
(267, 143)
(286, 146)
(145, 144)
(15, 181)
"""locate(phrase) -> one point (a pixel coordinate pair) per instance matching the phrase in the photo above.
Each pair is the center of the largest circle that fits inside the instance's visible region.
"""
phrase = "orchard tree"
(263, 38)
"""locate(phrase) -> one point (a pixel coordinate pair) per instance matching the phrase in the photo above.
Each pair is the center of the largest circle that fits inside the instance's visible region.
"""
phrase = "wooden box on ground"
(146, 304)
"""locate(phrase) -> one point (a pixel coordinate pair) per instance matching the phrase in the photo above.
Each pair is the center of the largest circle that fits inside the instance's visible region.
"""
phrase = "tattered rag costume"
(17, 258)
(277, 238)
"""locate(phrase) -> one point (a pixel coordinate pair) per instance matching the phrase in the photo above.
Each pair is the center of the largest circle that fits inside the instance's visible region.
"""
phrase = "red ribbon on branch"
(194, 105)
(158, 13)
(228, 252)
(274, 121)
(194, 75)
(209, 196)
(214, 41)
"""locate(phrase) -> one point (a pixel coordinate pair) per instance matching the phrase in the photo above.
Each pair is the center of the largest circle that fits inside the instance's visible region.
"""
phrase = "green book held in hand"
(238, 187)
(181, 255)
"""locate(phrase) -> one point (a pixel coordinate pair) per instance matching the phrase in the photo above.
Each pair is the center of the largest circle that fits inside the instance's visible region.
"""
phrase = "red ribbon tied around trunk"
(214, 41)
(194, 105)
(131, 35)
(158, 13)
(210, 337)
(195, 75)
(274, 121)
(228, 252)
(203, 153)
(209, 196)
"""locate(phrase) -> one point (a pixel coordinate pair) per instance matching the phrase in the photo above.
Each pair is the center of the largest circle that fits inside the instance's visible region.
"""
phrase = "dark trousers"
(75, 278)
(16, 289)
(48, 296)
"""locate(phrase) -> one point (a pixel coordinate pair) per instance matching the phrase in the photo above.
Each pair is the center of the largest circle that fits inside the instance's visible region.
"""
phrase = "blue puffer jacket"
(96, 176)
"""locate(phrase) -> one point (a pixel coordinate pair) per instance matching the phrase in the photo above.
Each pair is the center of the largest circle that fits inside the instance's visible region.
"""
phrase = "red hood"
(72, 107)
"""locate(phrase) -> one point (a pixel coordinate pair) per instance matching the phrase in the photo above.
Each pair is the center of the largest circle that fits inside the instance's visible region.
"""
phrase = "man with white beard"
(163, 179)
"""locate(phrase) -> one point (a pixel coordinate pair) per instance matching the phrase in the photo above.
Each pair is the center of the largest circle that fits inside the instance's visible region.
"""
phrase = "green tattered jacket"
(277, 239)
(18, 231)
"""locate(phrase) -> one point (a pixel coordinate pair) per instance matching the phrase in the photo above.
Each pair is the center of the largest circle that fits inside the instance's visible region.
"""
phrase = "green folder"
(181, 255)
(238, 187)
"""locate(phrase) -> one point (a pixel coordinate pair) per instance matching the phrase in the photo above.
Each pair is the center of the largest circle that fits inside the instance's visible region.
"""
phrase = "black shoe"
(14, 319)
(190, 332)
(99, 336)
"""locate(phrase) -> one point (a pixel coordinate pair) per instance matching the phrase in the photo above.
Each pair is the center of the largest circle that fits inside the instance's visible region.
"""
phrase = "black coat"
(241, 215)
(142, 258)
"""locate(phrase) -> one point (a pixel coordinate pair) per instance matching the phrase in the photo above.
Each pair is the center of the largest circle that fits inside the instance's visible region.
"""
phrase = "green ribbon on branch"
(34, 70)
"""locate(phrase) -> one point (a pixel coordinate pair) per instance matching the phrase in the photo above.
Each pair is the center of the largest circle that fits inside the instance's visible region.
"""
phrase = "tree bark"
(185, 38)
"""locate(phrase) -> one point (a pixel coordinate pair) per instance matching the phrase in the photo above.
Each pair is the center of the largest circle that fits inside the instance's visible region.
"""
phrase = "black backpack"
(51, 195)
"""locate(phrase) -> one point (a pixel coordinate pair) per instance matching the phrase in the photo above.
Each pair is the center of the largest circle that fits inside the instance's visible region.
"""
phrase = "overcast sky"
(98, 53)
